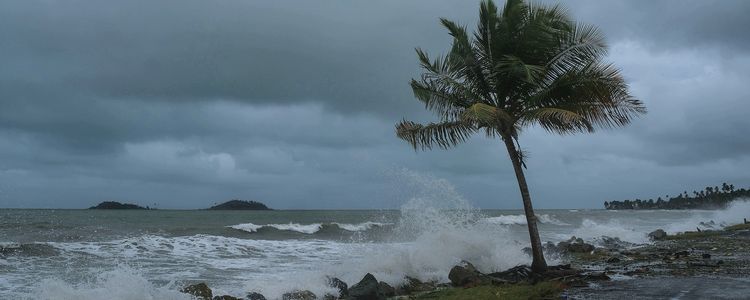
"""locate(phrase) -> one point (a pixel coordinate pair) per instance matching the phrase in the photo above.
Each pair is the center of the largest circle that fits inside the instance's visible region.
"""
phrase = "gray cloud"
(185, 103)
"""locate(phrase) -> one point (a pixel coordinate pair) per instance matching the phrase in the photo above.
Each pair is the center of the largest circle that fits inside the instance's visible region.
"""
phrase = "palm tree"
(524, 65)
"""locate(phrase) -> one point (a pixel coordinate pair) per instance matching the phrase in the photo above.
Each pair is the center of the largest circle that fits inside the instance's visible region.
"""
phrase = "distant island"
(117, 205)
(709, 198)
(240, 205)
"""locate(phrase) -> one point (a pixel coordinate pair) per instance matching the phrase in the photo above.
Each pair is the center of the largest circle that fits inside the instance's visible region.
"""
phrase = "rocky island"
(117, 205)
(240, 205)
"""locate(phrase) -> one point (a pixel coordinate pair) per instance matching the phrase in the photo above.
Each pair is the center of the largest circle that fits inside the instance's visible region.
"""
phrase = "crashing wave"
(521, 220)
(309, 228)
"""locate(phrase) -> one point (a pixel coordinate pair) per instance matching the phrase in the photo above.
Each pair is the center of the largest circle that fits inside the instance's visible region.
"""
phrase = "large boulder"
(199, 290)
(366, 289)
(255, 296)
(465, 274)
(338, 284)
(575, 245)
(299, 295)
(658, 234)
(386, 289)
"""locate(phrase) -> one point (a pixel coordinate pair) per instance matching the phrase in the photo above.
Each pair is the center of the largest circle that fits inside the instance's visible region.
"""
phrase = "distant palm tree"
(525, 65)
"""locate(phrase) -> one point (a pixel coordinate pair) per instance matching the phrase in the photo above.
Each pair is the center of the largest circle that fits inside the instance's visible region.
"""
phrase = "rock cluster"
(657, 235)
(575, 245)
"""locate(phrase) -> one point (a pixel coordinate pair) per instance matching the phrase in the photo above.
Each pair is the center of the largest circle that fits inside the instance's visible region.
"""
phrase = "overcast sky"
(181, 104)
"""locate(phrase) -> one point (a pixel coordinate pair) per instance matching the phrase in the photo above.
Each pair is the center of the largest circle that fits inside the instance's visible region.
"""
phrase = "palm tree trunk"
(538, 264)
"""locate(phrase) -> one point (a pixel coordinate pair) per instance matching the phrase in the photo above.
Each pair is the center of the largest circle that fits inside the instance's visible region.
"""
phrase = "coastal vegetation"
(525, 65)
(709, 198)
(240, 205)
(117, 205)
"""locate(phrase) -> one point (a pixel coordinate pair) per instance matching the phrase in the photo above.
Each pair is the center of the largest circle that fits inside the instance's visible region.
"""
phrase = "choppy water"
(87, 254)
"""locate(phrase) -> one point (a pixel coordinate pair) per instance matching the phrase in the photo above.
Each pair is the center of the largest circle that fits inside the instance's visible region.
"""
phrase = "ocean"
(98, 254)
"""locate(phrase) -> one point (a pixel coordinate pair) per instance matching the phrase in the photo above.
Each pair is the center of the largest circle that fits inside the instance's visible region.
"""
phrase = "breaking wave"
(309, 228)
(521, 220)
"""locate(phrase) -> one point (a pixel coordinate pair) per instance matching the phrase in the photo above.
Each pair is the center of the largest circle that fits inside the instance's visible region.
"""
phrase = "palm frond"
(557, 120)
(597, 92)
(443, 135)
(484, 115)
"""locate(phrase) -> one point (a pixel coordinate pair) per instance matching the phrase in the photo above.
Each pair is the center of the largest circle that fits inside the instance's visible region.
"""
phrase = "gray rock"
(226, 297)
(339, 285)
(657, 235)
(386, 289)
(299, 295)
(575, 245)
(255, 296)
(366, 289)
(464, 275)
(199, 290)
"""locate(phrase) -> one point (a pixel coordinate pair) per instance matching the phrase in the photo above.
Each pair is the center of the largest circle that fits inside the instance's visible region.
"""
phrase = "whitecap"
(301, 228)
(361, 226)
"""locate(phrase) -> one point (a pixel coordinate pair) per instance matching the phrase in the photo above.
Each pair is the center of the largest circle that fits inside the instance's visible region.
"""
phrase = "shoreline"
(699, 264)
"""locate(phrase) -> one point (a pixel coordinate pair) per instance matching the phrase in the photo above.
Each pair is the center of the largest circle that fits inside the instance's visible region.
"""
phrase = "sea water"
(97, 254)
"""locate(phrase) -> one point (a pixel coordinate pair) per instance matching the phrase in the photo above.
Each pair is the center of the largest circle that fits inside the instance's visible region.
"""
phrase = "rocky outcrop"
(366, 289)
(201, 291)
(386, 289)
(338, 284)
(255, 296)
(299, 295)
(465, 275)
(657, 235)
(226, 297)
(575, 245)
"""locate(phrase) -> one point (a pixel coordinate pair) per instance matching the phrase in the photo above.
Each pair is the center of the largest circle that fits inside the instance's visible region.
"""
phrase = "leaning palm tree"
(525, 65)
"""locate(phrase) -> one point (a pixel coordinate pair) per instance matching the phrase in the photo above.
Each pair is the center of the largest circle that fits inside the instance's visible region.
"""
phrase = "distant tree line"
(709, 198)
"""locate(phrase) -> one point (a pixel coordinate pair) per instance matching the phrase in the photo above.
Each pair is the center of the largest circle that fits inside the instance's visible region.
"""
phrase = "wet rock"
(657, 235)
(299, 295)
(199, 290)
(414, 285)
(464, 275)
(575, 245)
(613, 260)
(366, 289)
(614, 243)
(549, 249)
(706, 256)
(339, 285)
(597, 276)
(225, 297)
(386, 289)
(255, 296)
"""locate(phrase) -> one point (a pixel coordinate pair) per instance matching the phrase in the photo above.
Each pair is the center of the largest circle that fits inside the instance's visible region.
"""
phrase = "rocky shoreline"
(589, 272)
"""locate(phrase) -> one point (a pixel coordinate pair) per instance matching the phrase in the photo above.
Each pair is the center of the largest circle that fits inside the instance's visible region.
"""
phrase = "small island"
(710, 198)
(117, 205)
(240, 205)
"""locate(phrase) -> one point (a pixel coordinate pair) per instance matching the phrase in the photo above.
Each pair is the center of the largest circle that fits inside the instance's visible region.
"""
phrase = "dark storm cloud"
(183, 103)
